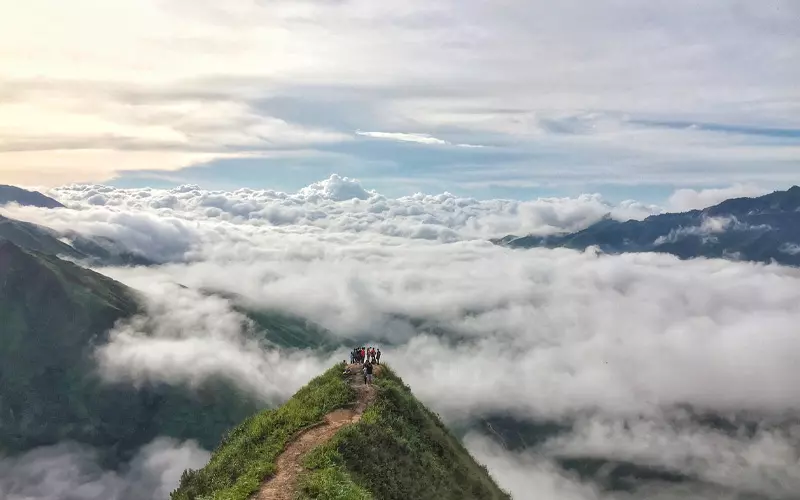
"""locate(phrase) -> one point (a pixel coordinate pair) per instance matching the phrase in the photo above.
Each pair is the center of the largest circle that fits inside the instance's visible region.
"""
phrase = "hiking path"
(289, 464)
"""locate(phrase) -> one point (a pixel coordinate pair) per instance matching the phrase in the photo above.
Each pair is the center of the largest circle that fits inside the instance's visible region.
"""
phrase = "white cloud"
(178, 224)
(596, 342)
(407, 137)
(199, 76)
(68, 470)
(708, 228)
(525, 475)
(767, 463)
(187, 338)
(718, 467)
(791, 249)
(691, 199)
(335, 188)
(399, 136)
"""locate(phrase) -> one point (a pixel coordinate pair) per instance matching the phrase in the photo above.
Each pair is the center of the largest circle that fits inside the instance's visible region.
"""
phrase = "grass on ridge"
(247, 454)
(398, 450)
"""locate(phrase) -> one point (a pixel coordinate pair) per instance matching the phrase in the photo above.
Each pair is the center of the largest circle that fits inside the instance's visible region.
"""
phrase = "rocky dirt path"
(289, 464)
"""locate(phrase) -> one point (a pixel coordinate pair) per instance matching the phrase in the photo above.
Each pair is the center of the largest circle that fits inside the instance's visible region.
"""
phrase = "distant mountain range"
(14, 194)
(762, 229)
(93, 250)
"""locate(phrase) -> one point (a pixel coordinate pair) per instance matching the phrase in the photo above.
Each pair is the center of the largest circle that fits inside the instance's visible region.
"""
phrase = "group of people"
(363, 355)
(366, 357)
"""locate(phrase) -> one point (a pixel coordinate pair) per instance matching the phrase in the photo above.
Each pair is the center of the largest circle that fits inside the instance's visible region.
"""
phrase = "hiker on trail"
(368, 372)
(372, 355)
(378, 357)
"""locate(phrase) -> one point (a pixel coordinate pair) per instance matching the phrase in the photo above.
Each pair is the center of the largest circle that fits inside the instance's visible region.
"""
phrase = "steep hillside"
(759, 229)
(339, 439)
(14, 194)
(93, 250)
(53, 313)
(38, 238)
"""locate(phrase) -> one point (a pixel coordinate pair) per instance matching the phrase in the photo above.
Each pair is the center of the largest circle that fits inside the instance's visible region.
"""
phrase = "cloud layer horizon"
(615, 347)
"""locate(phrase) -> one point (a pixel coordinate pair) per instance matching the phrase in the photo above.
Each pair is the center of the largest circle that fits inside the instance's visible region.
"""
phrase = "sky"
(511, 99)
(613, 347)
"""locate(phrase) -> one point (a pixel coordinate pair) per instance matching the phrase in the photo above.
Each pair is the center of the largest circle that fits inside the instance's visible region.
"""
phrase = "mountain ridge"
(93, 250)
(395, 449)
(758, 229)
(14, 194)
(54, 314)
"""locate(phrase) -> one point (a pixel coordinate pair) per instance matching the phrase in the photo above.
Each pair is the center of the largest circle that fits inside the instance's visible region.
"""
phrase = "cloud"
(335, 188)
(398, 136)
(766, 463)
(708, 228)
(201, 88)
(719, 467)
(791, 249)
(420, 138)
(186, 338)
(612, 347)
(110, 135)
(183, 223)
(525, 475)
(691, 199)
(73, 471)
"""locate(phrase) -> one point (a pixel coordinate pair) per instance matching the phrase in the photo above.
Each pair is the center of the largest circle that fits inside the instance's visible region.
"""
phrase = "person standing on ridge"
(378, 357)
(368, 373)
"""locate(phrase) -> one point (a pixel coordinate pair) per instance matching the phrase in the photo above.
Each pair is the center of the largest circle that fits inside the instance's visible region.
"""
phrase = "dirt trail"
(288, 466)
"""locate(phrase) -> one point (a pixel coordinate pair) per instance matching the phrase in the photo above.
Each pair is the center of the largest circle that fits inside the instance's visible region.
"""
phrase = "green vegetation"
(398, 450)
(247, 454)
(35, 237)
(53, 314)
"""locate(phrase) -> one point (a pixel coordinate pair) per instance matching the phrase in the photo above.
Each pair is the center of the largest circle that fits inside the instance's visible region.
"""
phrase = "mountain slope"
(34, 237)
(53, 314)
(14, 194)
(759, 229)
(93, 250)
(389, 447)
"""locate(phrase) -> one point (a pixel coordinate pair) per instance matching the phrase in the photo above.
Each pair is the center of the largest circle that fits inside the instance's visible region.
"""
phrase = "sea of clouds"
(614, 346)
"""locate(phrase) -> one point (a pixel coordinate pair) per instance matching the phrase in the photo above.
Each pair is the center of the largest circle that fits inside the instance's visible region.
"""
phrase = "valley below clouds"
(683, 367)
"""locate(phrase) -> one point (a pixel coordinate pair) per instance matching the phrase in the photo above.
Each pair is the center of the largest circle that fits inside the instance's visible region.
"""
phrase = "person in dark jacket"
(367, 372)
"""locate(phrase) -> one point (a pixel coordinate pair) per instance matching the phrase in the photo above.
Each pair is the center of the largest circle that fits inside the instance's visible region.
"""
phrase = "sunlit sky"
(508, 98)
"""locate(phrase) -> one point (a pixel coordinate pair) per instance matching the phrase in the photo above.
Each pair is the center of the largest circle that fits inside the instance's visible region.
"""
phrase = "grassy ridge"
(398, 450)
(53, 316)
(248, 453)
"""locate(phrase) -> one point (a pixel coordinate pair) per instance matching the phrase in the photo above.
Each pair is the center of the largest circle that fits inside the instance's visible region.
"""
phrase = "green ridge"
(398, 450)
(247, 454)
(53, 314)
